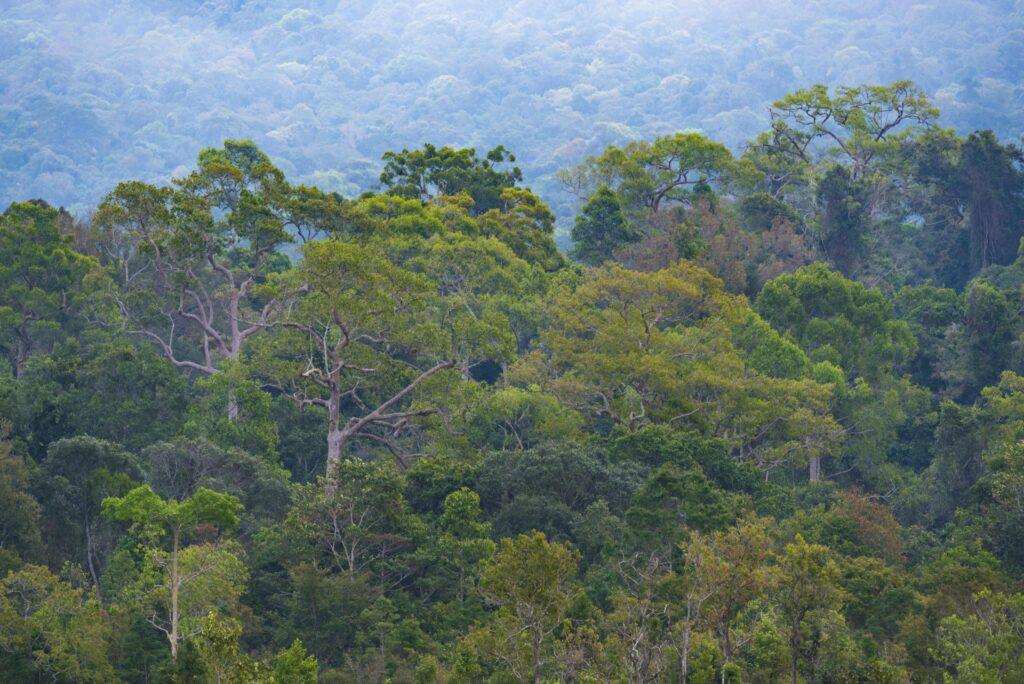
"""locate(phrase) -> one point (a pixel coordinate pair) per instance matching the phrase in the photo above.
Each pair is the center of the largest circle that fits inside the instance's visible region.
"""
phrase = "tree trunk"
(815, 468)
(173, 635)
(232, 407)
(535, 643)
(335, 436)
(89, 561)
(684, 656)
(22, 352)
(794, 643)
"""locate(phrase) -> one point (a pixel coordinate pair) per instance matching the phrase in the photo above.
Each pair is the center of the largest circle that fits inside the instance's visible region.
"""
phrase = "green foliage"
(531, 581)
(984, 645)
(20, 538)
(102, 386)
(361, 523)
(988, 332)
(465, 539)
(634, 349)
(929, 311)
(600, 228)
(448, 455)
(294, 665)
(807, 595)
(760, 211)
(843, 224)
(143, 507)
(838, 320)
(435, 172)
(991, 176)
(249, 428)
(178, 469)
(51, 630)
(547, 488)
(77, 475)
(43, 282)
(859, 125)
(649, 176)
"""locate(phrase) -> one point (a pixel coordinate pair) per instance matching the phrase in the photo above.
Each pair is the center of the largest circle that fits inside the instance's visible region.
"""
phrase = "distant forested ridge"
(94, 92)
(763, 421)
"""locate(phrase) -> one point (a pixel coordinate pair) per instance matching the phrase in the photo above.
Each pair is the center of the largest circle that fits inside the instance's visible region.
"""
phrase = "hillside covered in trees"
(763, 421)
(96, 91)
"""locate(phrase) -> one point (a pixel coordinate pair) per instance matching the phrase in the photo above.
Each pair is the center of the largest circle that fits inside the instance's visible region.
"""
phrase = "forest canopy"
(762, 422)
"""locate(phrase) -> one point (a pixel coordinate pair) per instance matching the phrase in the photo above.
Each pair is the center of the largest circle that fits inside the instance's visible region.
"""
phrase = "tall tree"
(854, 124)
(991, 176)
(600, 228)
(633, 349)
(651, 176)
(808, 583)
(189, 579)
(44, 282)
(195, 255)
(435, 172)
(362, 524)
(363, 335)
(77, 475)
(843, 220)
(465, 539)
(531, 581)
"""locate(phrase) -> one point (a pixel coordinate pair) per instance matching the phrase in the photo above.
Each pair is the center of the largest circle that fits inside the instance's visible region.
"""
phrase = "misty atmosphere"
(94, 92)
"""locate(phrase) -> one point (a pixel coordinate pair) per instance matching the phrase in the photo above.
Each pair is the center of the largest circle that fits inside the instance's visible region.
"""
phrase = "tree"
(362, 336)
(20, 539)
(190, 578)
(843, 223)
(744, 555)
(465, 539)
(49, 629)
(649, 176)
(930, 312)
(633, 349)
(102, 385)
(78, 474)
(44, 282)
(530, 580)
(984, 645)
(600, 228)
(991, 177)
(361, 524)
(546, 488)
(294, 665)
(838, 320)
(670, 499)
(984, 341)
(638, 621)
(197, 254)
(250, 428)
(1000, 491)
(698, 584)
(856, 124)
(527, 225)
(807, 584)
(435, 172)
(176, 470)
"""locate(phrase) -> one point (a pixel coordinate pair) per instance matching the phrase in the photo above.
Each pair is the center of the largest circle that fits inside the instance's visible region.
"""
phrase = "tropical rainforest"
(762, 422)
